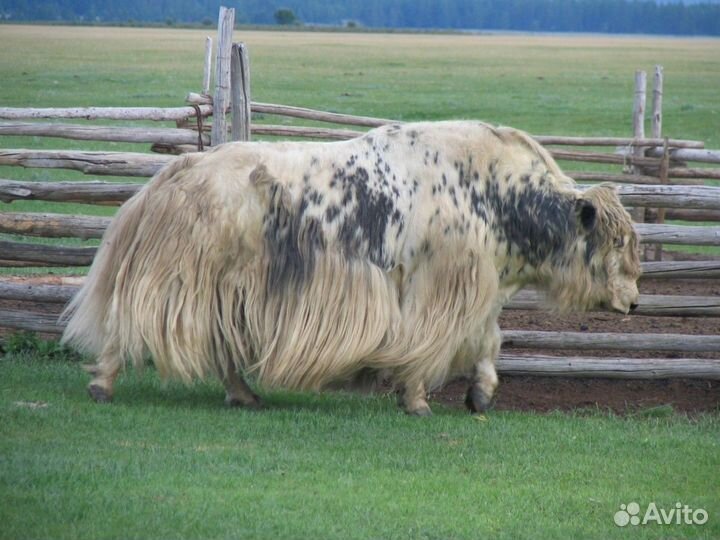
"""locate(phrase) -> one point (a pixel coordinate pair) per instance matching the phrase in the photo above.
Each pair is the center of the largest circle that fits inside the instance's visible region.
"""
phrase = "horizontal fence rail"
(681, 269)
(86, 191)
(527, 339)
(101, 163)
(623, 368)
(19, 254)
(648, 305)
(158, 114)
(657, 233)
(105, 133)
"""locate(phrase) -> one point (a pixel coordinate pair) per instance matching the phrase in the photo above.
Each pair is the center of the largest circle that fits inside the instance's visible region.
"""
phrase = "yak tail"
(86, 314)
(164, 281)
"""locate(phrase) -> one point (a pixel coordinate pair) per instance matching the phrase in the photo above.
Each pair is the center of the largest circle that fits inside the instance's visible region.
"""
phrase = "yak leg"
(237, 391)
(485, 380)
(104, 372)
(413, 399)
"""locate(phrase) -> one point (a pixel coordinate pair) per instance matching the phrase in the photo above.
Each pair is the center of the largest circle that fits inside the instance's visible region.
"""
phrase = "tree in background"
(285, 16)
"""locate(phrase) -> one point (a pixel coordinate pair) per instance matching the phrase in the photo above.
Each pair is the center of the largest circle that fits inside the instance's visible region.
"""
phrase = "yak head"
(603, 266)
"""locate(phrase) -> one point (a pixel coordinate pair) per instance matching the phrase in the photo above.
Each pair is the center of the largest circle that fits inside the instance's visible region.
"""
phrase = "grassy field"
(167, 461)
(546, 85)
(560, 85)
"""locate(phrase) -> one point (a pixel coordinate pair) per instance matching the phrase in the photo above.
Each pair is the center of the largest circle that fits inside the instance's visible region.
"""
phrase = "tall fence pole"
(656, 134)
(657, 103)
(240, 87)
(208, 66)
(638, 214)
(226, 21)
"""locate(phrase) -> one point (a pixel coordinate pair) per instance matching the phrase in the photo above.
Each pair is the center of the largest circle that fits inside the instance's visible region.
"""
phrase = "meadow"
(168, 461)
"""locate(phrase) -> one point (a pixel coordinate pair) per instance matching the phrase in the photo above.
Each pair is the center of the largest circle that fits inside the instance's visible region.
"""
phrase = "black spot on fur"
(331, 212)
(538, 223)
(363, 230)
(396, 217)
(292, 240)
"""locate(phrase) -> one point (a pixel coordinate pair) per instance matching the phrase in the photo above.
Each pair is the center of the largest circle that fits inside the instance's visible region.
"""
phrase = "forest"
(604, 16)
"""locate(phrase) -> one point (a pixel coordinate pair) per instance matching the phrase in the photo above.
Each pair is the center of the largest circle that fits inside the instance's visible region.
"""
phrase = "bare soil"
(544, 394)
(622, 396)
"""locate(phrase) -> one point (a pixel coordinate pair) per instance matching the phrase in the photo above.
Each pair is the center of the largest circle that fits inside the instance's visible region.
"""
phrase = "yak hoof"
(423, 410)
(253, 404)
(99, 394)
(477, 401)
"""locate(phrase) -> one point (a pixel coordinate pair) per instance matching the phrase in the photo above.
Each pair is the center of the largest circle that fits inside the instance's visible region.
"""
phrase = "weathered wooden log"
(616, 178)
(654, 233)
(649, 304)
(309, 132)
(102, 163)
(93, 192)
(173, 149)
(550, 140)
(683, 214)
(685, 172)
(105, 113)
(53, 225)
(240, 92)
(616, 368)
(221, 99)
(311, 114)
(321, 116)
(681, 270)
(207, 66)
(33, 292)
(21, 254)
(600, 157)
(527, 339)
(688, 154)
(30, 321)
(656, 118)
(661, 305)
(665, 196)
(104, 133)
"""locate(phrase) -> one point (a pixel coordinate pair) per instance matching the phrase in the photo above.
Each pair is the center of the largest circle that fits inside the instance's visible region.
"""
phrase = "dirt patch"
(621, 396)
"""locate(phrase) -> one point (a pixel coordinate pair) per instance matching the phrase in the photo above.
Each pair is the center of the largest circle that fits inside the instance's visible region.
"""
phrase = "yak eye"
(619, 242)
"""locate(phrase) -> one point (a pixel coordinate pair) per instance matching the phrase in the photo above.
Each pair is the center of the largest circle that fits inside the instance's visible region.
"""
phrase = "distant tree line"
(612, 16)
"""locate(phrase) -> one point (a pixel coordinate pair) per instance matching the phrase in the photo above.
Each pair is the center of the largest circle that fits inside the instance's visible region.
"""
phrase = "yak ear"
(586, 214)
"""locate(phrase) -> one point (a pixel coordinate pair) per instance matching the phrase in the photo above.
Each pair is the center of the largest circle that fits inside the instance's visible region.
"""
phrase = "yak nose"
(633, 307)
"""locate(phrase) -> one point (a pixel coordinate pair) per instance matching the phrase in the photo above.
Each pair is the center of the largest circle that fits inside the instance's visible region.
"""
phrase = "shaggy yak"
(304, 264)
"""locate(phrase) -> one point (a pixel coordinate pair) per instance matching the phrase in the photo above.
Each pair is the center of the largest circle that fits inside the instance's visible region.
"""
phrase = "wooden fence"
(655, 182)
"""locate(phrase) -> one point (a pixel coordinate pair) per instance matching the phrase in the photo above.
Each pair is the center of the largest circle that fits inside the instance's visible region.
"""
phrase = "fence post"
(226, 21)
(656, 134)
(208, 66)
(657, 103)
(638, 214)
(240, 88)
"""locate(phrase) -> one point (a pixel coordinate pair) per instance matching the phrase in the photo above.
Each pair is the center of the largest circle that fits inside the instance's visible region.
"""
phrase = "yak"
(302, 264)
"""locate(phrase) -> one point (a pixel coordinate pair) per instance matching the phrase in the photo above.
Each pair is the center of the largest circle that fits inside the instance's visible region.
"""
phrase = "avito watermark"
(680, 514)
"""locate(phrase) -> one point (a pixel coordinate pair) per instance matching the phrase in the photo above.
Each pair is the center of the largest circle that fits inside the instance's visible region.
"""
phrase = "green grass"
(169, 461)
